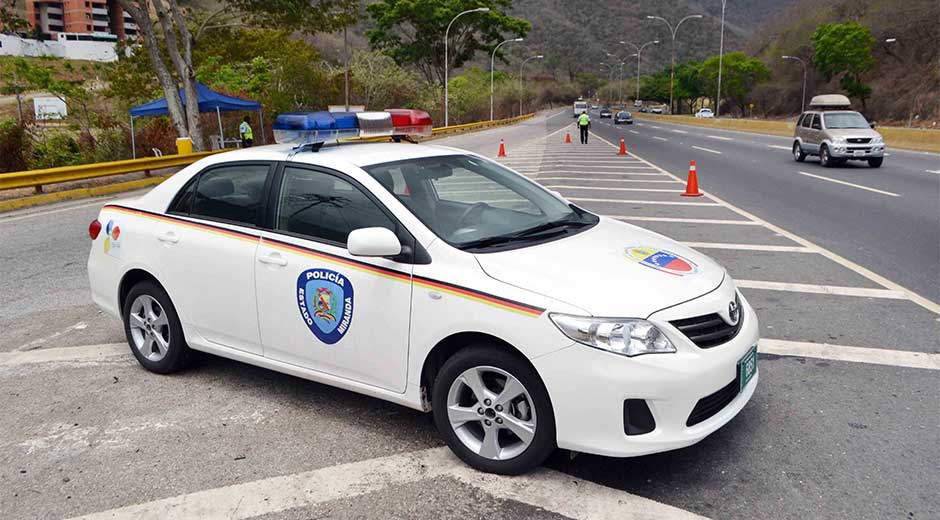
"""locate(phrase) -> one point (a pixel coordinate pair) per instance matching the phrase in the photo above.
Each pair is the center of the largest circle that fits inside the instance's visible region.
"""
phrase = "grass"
(906, 138)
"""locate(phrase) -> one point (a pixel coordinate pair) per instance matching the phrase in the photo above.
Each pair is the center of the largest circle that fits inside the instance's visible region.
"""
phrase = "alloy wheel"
(150, 328)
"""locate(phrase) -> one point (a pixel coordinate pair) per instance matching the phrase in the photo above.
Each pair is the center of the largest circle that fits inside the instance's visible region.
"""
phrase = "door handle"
(273, 259)
(169, 237)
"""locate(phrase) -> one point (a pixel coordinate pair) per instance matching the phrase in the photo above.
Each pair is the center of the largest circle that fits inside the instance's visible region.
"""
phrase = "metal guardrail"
(38, 178)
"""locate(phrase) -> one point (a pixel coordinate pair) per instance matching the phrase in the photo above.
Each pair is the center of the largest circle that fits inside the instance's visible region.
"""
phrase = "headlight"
(625, 336)
(838, 140)
(877, 140)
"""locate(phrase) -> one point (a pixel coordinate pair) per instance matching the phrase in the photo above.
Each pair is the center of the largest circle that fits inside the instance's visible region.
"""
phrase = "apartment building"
(80, 19)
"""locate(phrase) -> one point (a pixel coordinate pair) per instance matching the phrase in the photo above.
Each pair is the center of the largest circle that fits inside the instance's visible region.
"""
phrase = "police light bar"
(316, 128)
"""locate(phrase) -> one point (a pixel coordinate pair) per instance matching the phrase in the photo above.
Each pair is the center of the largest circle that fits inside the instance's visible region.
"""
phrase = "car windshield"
(580, 105)
(845, 120)
(477, 205)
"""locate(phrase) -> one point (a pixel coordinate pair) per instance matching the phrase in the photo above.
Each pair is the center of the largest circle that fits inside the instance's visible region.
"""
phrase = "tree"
(10, 21)
(846, 49)
(688, 84)
(740, 75)
(380, 82)
(412, 31)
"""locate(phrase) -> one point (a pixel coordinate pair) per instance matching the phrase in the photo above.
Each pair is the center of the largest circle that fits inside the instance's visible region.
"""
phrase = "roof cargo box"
(830, 102)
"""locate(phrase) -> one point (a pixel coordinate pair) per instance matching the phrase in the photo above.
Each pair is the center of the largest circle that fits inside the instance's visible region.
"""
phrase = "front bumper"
(588, 388)
(856, 151)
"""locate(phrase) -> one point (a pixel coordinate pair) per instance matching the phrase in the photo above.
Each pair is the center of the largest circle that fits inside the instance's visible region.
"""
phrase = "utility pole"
(19, 101)
(447, 59)
(721, 54)
(493, 70)
(520, 78)
(672, 68)
(346, 65)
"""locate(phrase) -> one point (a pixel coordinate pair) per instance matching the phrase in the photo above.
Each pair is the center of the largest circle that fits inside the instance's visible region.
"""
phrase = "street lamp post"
(803, 63)
(492, 69)
(721, 54)
(639, 50)
(520, 77)
(673, 31)
(447, 60)
(621, 81)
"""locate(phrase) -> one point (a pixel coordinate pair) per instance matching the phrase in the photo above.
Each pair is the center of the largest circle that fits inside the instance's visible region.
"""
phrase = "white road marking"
(861, 292)
(933, 171)
(687, 220)
(544, 488)
(658, 181)
(709, 150)
(38, 342)
(636, 174)
(844, 183)
(660, 138)
(751, 247)
(844, 262)
(720, 137)
(634, 132)
(876, 356)
(779, 147)
(49, 355)
(656, 127)
(679, 131)
(653, 202)
(609, 188)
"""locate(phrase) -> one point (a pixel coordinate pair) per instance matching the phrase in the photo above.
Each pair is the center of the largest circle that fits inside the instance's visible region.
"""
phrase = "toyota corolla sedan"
(433, 278)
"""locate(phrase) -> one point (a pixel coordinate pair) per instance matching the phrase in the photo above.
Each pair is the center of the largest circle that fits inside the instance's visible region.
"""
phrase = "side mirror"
(873, 124)
(374, 241)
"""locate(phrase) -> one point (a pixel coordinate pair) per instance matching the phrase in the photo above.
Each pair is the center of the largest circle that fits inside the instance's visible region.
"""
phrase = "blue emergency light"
(317, 128)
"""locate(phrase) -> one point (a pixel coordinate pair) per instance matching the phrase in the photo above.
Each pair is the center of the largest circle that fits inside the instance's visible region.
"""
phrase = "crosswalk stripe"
(862, 292)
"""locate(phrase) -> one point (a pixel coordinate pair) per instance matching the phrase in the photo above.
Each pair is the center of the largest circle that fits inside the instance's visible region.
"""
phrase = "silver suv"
(836, 134)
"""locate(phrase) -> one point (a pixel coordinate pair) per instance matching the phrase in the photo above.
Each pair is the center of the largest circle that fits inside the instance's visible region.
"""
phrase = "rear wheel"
(493, 411)
(153, 329)
(824, 159)
(875, 162)
(798, 154)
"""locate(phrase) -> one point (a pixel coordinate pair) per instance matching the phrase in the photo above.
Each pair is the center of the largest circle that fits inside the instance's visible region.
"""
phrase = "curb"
(80, 193)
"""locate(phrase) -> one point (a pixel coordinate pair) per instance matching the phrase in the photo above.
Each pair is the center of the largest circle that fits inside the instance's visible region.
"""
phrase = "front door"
(320, 307)
(207, 253)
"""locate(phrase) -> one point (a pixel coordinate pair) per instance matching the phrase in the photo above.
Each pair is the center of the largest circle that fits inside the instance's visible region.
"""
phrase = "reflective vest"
(584, 120)
(245, 130)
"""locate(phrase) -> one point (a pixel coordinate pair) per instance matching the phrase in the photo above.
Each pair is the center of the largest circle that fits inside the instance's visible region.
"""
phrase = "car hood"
(613, 270)
(852, 132)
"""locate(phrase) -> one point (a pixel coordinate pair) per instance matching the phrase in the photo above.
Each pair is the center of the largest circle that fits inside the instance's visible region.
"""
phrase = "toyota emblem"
(734, 312)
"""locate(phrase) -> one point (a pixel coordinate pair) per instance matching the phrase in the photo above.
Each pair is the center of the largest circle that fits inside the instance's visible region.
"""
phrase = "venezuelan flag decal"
(661, 260)
(428, 283)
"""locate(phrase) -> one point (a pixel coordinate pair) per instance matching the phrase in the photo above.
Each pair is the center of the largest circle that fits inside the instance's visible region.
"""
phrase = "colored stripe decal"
(428, 283)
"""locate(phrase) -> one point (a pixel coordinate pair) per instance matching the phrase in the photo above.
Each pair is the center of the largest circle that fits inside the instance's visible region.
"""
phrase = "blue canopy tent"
(209, 101)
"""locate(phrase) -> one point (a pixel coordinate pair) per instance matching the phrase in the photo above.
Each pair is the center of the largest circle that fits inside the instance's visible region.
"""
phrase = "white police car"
(436, 279)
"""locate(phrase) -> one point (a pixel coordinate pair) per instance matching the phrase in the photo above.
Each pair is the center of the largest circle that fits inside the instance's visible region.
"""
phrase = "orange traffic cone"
(567, 138)
(691, 188)
(502, 149)
(623, 148)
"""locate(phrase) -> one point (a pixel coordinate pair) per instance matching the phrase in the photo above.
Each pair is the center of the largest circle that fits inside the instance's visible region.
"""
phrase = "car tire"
(153, 329)
(876, 162)
(798, 154)
(824, 159)
(466, 424)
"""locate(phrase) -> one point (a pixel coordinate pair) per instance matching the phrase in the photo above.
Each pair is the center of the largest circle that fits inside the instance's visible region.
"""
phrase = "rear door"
(814, 133)
(320, 307)
(208, 253)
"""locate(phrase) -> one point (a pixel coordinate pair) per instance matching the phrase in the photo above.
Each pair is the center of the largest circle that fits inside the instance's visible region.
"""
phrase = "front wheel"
(493, 411)
(876, 162)
(824, 159)
(153, 329)
(798, 154)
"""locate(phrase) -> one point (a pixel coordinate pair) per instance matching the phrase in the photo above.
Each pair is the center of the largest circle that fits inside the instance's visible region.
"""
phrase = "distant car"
(605, 112)
(656, 110)
(643, 110)
(836, 134)
(594, 107)
(705, 112)
(637, 103)
(623, 118)
(580, 107)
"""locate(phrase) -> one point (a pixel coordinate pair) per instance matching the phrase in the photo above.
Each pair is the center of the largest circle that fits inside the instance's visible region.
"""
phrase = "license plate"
(747, 367)
(859, 153)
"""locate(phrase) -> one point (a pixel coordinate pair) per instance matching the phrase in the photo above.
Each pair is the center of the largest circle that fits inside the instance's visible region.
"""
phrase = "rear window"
(580, 105)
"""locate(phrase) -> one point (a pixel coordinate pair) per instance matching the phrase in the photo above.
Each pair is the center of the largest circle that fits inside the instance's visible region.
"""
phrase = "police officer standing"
(584, 123)
(244, 130)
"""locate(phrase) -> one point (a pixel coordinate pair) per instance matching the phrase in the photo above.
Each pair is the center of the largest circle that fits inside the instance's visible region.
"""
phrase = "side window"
(816, 125)
(324, 207)
(233, 193)
(183, 202)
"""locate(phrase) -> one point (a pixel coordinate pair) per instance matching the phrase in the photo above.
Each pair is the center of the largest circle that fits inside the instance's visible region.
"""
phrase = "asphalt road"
(895, 233)
(843, 424)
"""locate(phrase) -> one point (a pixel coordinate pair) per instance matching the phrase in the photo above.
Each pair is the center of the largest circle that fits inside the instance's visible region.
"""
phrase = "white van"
(580, 107)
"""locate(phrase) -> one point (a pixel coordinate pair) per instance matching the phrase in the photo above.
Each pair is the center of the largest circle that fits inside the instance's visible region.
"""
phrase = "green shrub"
(58, 149)
(14, 145)
(112, 144)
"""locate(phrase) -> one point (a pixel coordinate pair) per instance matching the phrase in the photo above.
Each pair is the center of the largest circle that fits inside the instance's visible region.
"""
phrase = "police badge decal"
(326, 302)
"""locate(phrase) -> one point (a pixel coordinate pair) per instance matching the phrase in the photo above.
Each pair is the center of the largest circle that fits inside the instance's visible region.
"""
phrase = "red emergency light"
(411, 122)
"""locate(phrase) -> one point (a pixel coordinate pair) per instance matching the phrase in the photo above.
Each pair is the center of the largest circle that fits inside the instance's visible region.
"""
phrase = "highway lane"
(896, 236)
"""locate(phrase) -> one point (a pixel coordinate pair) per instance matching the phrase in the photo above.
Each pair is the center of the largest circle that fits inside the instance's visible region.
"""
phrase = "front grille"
(709, 330)
(709, 405)
(859, 140)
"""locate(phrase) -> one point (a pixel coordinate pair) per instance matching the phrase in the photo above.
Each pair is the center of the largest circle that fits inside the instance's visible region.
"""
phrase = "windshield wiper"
(555, 225)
